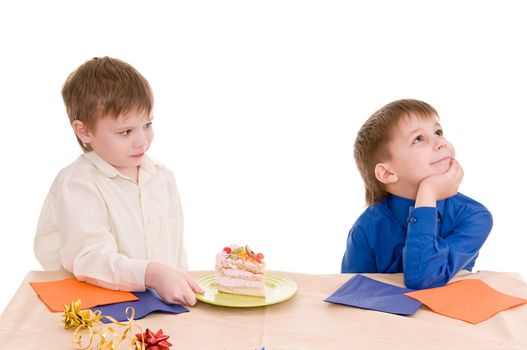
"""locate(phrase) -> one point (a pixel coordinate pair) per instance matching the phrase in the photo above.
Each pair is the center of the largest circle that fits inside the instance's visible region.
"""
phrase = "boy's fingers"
(188, 290)
(454, 165)
(185, 296)
(460, 173)
(190, 298)
(194, 286)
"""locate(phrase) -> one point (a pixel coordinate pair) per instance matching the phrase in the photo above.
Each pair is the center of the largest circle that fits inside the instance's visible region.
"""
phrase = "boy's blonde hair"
(371, 144)
(105, 87)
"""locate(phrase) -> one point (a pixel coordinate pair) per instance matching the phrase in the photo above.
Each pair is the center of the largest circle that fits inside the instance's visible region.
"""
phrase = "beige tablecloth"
(303, 322)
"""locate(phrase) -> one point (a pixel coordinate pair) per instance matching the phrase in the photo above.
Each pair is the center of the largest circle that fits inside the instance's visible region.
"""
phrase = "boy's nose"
(440, 145)
(141, 141)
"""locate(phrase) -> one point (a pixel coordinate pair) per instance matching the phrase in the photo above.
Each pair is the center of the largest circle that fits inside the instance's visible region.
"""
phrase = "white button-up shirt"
(104, 228)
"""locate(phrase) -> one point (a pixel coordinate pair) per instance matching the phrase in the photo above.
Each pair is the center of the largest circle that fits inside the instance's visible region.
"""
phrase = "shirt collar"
(400, 207)
(148, 165)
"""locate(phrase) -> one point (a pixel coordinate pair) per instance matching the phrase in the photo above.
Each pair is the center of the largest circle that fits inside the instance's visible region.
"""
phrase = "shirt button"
(412, 220)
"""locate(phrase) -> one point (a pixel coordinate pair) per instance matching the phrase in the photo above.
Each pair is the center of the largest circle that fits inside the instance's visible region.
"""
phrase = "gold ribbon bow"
(110, 337)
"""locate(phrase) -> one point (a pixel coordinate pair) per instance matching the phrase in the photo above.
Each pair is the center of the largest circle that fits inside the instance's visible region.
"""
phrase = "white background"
(257, 107)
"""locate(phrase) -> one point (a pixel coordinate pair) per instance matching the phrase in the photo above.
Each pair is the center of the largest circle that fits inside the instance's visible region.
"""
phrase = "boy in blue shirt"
(416, 221)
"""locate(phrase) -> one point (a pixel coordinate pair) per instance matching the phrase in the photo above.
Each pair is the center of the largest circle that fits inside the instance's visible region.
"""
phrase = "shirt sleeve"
(359, 255)
(89, 249)
(430, 260)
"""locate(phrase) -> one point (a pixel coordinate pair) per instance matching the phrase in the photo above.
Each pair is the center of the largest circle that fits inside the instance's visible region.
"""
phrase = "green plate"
(277, 289)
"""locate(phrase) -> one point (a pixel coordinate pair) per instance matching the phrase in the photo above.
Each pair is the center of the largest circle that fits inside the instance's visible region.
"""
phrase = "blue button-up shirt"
(428, 244)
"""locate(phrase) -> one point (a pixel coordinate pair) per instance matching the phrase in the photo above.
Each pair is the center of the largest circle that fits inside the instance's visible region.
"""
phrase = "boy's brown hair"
(105, 87)
(371, 144)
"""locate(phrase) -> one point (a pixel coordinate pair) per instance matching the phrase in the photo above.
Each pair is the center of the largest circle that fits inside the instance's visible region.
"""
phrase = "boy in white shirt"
(113, 217)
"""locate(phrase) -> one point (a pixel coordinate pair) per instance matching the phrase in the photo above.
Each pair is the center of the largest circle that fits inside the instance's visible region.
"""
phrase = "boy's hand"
(441, 186)
(172, 284)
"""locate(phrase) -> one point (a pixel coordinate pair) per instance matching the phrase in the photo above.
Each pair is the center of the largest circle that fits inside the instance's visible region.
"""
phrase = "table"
(303, 322)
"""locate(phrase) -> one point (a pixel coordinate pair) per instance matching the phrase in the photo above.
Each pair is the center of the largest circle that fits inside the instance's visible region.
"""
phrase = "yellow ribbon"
(109, 338)
(75, 317)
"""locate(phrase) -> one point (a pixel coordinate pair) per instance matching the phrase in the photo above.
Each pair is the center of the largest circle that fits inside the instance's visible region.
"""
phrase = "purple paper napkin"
(148, 302)
(361, 291)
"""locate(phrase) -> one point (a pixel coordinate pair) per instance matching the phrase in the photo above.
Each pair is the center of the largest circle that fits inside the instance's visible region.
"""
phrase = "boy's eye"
(148, 125)
(126, 132)
(418, 139)
(439, 132)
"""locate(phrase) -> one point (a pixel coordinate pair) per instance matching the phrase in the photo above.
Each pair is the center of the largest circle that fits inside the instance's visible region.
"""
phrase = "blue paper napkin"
(148, 302)
(361, 291)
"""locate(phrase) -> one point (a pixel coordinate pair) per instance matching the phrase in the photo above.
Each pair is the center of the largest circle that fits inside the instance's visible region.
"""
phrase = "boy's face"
(123, 142)
(418, 150)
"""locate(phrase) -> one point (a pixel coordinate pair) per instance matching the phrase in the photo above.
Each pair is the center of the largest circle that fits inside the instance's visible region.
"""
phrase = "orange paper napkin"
(55, 294)
(469, 300)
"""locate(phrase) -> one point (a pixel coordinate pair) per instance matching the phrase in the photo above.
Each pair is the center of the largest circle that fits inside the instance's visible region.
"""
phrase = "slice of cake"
(240, 271)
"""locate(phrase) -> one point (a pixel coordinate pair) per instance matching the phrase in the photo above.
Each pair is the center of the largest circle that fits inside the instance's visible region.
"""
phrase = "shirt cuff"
(423, 220)
(135, 275)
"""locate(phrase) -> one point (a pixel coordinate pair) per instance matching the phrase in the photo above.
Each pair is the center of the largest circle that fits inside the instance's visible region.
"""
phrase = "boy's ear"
(384, 174)
(82, 131)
